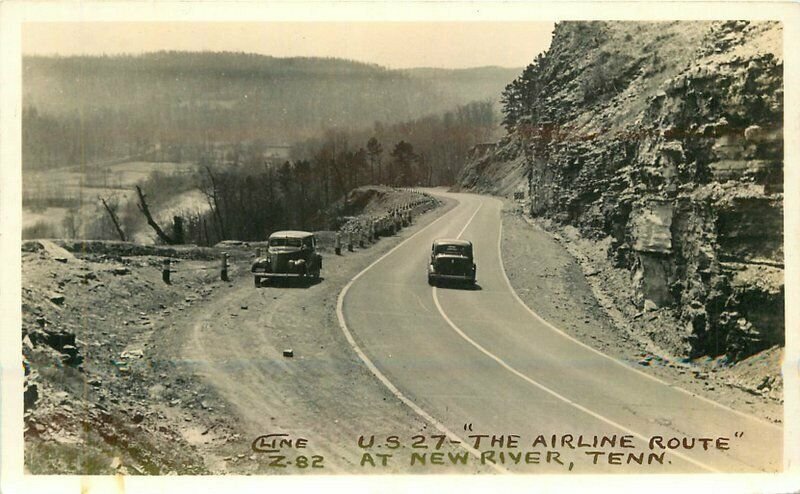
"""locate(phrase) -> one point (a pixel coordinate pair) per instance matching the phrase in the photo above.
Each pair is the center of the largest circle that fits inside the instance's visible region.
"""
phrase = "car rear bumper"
(277, 275)
(454, 277)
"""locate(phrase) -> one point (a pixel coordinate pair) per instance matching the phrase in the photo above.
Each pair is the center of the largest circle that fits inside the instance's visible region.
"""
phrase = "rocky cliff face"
(667, 138)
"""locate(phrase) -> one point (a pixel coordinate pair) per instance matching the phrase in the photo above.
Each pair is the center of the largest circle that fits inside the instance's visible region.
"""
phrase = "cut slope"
(667, 139)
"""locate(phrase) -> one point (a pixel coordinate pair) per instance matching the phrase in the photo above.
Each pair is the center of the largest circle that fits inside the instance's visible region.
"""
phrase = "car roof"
(451, 241)
(291, 234)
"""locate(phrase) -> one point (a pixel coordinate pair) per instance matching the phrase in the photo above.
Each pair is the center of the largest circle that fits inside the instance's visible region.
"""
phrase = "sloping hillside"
(472, 84)
(176, 105)
(666, 139)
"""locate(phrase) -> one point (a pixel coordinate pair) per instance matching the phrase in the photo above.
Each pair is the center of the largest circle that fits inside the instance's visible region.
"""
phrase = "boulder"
(30, 395)
(650, 227)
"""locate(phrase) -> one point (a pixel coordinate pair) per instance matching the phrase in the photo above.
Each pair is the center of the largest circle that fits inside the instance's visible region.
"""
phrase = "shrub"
(608, 75)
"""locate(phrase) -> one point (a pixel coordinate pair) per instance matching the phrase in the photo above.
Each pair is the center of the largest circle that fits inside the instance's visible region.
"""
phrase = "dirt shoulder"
(567, 281)
(129, 375)
(323, 393)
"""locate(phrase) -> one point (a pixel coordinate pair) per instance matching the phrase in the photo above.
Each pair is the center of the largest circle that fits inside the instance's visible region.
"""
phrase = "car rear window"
(284, 242)
(456, 250)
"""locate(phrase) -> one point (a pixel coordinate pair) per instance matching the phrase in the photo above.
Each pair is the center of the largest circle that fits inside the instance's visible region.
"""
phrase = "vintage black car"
(451, 260)
(290, 254)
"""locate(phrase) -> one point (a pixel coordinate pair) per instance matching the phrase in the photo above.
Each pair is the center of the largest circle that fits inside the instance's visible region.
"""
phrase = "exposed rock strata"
(667, 138)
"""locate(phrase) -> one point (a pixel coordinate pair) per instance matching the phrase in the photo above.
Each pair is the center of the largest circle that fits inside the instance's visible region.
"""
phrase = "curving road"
(481, 357)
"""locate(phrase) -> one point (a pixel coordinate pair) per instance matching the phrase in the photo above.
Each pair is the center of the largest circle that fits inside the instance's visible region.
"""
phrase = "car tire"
(257, 281)
(431, 281)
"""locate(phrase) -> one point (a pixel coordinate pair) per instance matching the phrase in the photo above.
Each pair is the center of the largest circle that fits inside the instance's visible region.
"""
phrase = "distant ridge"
(126, 101)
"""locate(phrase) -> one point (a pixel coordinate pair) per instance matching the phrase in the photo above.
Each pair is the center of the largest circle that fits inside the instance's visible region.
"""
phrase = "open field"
(65, 202)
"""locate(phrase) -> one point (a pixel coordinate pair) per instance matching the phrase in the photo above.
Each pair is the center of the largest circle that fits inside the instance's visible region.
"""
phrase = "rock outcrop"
(667, 138)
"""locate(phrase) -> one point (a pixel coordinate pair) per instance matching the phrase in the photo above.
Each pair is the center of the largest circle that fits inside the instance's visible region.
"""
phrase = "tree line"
(427, 151)
(252, 197)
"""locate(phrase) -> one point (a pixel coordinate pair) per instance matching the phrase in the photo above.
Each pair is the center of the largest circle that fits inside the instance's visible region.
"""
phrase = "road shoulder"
(323, 392)
(551, 281)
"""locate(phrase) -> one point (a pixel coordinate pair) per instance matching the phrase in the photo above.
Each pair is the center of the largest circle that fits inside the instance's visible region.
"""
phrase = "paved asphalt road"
(480, 359)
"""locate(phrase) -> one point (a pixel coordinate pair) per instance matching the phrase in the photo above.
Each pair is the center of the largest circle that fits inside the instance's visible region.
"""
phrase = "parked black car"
(452, 260)
(290, 254)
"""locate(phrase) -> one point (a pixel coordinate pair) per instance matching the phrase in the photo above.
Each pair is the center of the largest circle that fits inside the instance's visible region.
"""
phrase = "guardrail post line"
(337, 244)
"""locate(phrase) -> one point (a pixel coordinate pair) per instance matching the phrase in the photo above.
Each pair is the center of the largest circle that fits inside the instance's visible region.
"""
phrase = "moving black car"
(451, 260)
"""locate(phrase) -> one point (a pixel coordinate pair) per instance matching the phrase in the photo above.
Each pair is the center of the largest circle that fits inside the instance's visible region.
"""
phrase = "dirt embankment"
(100, 397)
(662, 142)
(127, 374)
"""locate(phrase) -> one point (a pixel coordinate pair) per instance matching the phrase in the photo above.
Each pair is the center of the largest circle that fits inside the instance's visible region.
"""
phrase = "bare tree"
(212, 195)
(150, 221)
(113, 214)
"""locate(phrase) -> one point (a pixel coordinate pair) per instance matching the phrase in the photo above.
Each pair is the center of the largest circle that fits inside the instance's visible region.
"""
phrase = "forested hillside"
(174, 106)
(440, 145)
(242, 144)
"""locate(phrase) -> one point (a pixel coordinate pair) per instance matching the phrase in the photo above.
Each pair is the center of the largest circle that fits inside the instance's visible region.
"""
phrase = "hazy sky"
(392, 44)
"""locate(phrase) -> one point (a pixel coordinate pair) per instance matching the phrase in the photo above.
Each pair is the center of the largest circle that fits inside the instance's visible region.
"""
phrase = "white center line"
(470, 220)
(381, 377)
(554, 393)
(544, 388)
